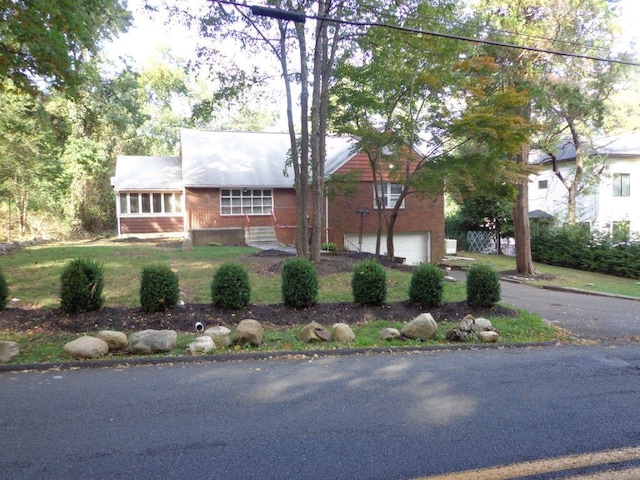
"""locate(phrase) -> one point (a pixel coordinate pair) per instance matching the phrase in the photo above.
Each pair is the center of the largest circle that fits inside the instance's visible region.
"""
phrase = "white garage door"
(414, 247)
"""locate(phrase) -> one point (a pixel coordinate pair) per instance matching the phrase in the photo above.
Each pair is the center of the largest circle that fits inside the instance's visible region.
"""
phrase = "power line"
(299, 16)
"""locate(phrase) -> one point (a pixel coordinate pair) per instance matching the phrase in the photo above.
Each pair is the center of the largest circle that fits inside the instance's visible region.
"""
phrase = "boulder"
(249, 331)
(152, 341)
(482, 325)
(390, 334)
(423, 327)
(488, 336)
(313, 332)
(459, 335)
(115, 340)
(8, 351)
(86, 347)
(221, 336)
(203, 344)
(342, 333)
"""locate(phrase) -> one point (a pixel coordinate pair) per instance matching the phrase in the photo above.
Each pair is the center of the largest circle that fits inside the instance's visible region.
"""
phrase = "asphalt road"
(391, 416)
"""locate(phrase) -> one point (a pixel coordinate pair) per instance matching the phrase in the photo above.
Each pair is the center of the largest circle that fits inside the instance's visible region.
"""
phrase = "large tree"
(45, 43)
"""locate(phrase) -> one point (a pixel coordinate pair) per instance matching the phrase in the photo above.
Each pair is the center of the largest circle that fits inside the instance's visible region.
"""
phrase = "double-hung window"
(252, 201)
(150, 203)
(621, 184)
(389, 193)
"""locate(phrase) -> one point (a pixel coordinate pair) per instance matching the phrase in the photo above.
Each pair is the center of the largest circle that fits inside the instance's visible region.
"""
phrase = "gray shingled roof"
(627, 144)
(248, 159)
(147, 173)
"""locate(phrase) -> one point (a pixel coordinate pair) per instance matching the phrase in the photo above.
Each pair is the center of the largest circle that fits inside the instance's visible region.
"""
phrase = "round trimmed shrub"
(159, 289)
(426, 286)
(369, 283)
(81, 284)
(230, 288)
(4, 291)
(299, 283)
(483, 286)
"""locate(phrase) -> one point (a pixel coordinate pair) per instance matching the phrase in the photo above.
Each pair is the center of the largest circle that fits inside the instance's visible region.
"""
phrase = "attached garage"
(415, 248)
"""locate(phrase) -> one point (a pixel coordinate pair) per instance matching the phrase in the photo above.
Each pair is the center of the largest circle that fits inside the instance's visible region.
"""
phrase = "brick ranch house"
(234, 187)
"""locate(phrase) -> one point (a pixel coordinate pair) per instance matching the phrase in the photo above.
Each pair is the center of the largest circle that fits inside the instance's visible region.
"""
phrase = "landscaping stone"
(488, 337)
(423, 327)
(152, 341)
(221, 336)
(342, 333)
(313, 332)
(459, 335)
(86, 347)
(115, 340)
(8, 351)
(203, 344)
(483, 325)
(249, 331)
(390, 334)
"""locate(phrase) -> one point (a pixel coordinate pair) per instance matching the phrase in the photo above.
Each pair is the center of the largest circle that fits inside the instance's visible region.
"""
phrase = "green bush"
(159, 288)
(230, 287)
(369, 283)
(329, 247)
(299, 283)
(483, 286)
(4, 291)
(81, 284)
(426, 286)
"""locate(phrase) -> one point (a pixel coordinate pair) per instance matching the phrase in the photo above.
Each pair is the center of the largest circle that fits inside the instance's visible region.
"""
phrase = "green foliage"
(483, 286)
(230, 287)
(4, 291)
(329, 247)
(299, 283)
(369, 283)
(159, 288)
(81, 285)
(574, 247)
(427, 285)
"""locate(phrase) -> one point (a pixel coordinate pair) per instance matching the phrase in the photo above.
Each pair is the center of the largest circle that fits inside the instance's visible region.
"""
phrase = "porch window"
(150, 203)
(621, 185)
(253, 201)
(389, 193)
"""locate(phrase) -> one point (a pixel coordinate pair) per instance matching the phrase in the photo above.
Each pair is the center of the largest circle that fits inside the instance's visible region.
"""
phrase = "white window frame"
(249, 201)
(150, 203)
(619, 189)
(387, 196)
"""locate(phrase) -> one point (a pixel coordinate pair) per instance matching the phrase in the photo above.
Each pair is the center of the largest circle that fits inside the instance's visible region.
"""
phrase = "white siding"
(414, 247)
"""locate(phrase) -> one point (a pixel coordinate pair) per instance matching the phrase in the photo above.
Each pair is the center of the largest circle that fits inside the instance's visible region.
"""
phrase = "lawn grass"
(566, 277)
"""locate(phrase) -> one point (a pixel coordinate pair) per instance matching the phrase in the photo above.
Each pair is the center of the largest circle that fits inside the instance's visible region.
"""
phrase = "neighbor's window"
(389, 193)
(150, 203)
(252, 201)
(621, 184)
(543, 184)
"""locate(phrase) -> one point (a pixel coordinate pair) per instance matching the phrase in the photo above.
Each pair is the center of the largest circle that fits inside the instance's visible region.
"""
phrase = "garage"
(414, 247)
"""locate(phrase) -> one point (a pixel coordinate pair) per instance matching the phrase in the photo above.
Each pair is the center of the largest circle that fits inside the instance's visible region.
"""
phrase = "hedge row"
(575, 247)
(82, 281)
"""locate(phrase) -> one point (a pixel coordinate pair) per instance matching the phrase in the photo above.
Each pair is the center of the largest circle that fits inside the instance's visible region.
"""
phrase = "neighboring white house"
(612, 204)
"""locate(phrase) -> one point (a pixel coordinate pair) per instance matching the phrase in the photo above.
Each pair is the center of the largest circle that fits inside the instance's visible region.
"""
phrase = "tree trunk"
(522, 233)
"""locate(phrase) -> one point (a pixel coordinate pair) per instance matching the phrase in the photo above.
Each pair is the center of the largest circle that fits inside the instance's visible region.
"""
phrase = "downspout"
(185, 226)
(326, 218)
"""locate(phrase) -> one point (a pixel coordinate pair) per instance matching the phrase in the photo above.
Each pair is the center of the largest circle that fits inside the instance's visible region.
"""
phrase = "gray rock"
(458, 335)
(313, 332)
(450, 279)
(152, 341)
(115, 340)
(86, 347)
(249, 331)
(390, 334)
(482, 325)
(488, 337)
(342, 333)
(203, 344)
(423, 327)
(8, 351)
(221, 336)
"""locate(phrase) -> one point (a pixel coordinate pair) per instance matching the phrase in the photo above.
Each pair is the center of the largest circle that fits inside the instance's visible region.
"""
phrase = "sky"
(146, 36)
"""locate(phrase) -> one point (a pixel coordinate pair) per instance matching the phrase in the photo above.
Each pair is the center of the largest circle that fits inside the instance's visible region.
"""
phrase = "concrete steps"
(260, 236)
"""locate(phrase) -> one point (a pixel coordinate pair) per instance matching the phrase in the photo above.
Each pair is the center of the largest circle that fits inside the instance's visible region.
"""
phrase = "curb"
(559, 288)
(280, 355)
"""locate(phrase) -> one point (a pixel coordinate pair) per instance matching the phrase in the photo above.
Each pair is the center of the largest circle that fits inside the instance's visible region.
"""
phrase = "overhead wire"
(454, 36)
